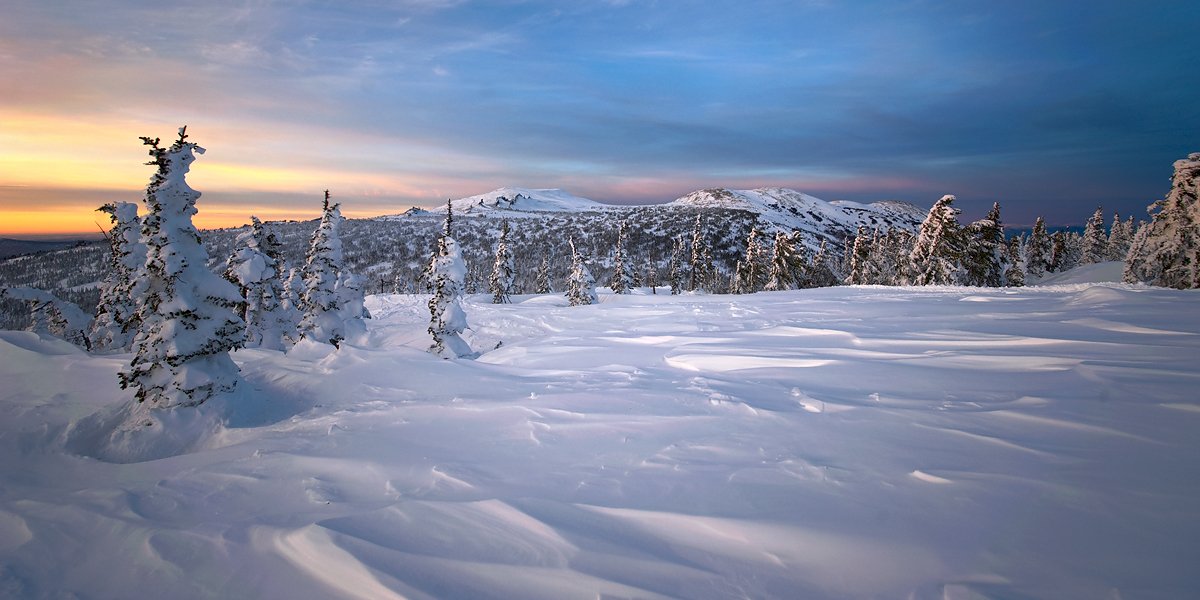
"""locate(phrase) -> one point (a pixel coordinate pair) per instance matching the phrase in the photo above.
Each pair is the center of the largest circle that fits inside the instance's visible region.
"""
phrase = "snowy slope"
(789, 210)
(850, 442)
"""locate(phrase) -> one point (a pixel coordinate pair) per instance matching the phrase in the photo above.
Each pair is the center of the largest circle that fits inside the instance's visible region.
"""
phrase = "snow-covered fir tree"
(860, 258)
(1038, 251)
(820, 271)
(116, 314)
(1166, 251)
(650, 276)
(1066, 248)
(1095, 240)
(696, 265)
(501, 281)
(1014, 273)
(257, 274)
(53, 316)
(787, 265)
(446, 274)
(986, 251)
(675, 266)
(751, 271)
(332, 301)
(621, 280)
(581, 286)
(1120, 236)
(188, 319)
(938, 250)
(542, 284)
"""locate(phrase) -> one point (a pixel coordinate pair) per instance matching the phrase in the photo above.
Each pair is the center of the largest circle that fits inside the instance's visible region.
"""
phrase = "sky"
(1050, 108)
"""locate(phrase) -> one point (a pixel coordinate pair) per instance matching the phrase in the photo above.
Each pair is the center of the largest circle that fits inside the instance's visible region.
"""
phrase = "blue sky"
(1050, 108)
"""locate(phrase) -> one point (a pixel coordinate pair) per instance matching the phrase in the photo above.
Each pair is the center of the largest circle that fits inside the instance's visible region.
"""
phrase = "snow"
(848, 442)
(516, 202)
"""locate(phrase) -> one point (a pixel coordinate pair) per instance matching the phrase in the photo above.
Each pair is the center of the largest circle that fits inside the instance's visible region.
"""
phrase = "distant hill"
(11, 247)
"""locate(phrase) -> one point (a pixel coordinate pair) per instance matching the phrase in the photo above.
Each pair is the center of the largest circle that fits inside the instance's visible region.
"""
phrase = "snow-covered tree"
(255, 267)
(1066, 248)
(116, 314)
(542, 284)
(986, 251)
(937, 252)
(621, 279)
(581, 287)
(860, 258)
(1038, 250)
(1014, 274)
(675, 266)
(53, 316)
(332, 301)
(650, 276)
(1095, 240)
(696, 266)
(1120, 236)
(751, 271)
(1166, 251)
(501, 282)
(787, 264)
(446, 274)
(188, 315)
(820, 271)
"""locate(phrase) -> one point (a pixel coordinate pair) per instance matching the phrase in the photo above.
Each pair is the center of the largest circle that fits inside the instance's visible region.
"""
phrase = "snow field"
(850, 442)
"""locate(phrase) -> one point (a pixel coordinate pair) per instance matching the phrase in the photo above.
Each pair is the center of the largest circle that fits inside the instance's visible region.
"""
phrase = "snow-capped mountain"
(512, 200)
(791, 210)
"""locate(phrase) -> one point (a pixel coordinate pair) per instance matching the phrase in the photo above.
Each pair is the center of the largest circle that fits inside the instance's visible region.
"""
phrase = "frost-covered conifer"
(986, 251)
(621, 279)
(696, 265)
(1014, 275)
(1120, 236)
(188, 315)
(446, 274)
(650, 276)
(501, 282)
(787, 265)
(860, 258)
(543, 277)
(53, 316)
(1166, 251)
(1038, 251)
(116, 314)
(1095, 240)
(332, 301)
(256, 272)
(751, 269)
(820, 273)
(581, 287)
(936, 257)
(675, 266)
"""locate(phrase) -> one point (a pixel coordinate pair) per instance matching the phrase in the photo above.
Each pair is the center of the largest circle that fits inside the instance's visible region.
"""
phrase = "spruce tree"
(986, 251)
(53, 316)
(1166, 251)
(675, 266)
(542, 284)
(650, 276)
(696, 265)
(1014, 275)
(820, 272)
(937, 253)
(188, 319)
(332, 301)
(786, 265)
(255, 267)
(860, 258)
(581, 287)
(446, 274)
(1119, 238)
(501, 281)
(621, 280)
(751, 271)
(116, 314)
(1095, 240)
(1038, 251)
